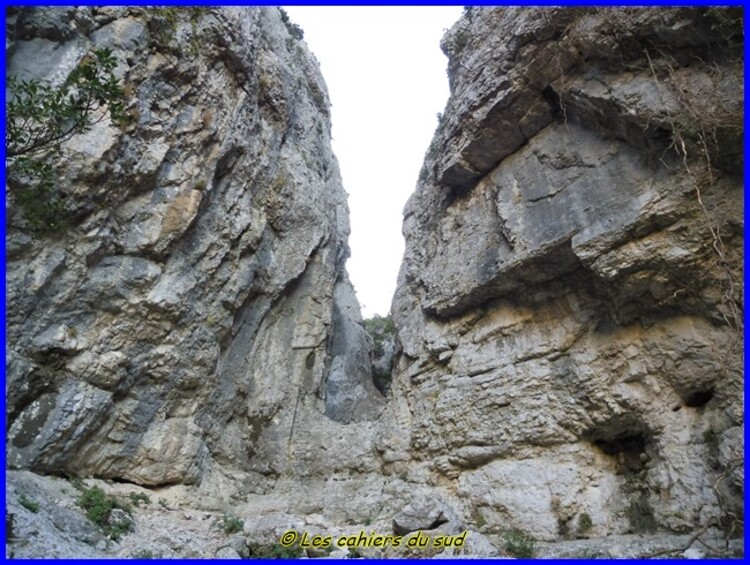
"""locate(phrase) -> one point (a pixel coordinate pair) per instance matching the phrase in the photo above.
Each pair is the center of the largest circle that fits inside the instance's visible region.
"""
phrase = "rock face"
(568, 353)
(570, 301)
(196, 319)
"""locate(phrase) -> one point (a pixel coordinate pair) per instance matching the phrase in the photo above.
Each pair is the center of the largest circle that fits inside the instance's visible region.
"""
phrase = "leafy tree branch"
(40, 118)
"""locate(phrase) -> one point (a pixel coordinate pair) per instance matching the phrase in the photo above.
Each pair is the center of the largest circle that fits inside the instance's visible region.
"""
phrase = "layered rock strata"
(570, 301)
(568, 359)
(195, 318)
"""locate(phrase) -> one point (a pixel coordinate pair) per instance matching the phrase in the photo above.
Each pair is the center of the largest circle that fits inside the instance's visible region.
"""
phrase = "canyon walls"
(194, 316)
(570, 301)
(568, 352)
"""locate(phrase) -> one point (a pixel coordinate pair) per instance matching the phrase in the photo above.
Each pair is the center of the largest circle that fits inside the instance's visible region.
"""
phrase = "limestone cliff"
(570, 301)
(195, 318)
(567, 363)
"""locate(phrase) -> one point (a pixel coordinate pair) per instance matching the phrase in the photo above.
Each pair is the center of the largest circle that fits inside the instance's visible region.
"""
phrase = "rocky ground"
(44, 519)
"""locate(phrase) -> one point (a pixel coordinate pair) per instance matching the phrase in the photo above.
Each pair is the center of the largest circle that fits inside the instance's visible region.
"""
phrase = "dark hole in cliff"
(661, 137)
(310, 360)
(699, 398)
(52, 357)
(121, 480)
(553, 98)
(624, 439)
(402, 530)
(382, 380)
(629, 450)
(627, 440)
(455, 193)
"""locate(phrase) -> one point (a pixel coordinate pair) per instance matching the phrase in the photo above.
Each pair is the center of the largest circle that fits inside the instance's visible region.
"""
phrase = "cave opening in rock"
(698, 398)
(629, 449)
(553, 98)
(626, 440)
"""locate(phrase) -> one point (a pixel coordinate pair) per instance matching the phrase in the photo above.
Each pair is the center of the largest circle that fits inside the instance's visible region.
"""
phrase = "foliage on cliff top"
(381, 329)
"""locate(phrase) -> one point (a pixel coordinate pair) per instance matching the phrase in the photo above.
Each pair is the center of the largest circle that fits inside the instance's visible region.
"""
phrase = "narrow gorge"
(564, 376)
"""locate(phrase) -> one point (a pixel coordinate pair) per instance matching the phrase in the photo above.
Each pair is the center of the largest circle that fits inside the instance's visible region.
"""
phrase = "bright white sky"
(387, 80)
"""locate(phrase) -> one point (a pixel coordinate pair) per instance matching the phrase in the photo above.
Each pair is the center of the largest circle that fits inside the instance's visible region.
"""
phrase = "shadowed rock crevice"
(698, 398)
(627, 440)
(349, 390)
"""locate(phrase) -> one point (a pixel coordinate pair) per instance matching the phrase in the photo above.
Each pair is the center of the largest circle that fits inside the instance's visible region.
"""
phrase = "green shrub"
(294, 30)
(231, 525)
(99, 506)
(137, 497)
(40, 118)
(381, 329)
(96, 504)
(118, 529)
(460, 41)
(518, 543)
(163, 28)
(584, 523)
(28, 503)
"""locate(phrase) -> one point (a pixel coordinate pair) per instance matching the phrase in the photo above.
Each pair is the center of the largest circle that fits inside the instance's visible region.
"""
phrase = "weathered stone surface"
(509, 71)
(425, 513)
(569, 350)
(227, 553)
(350, 393)
(569, 304)
(56, 529)
(196, 318)
(634, 546)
